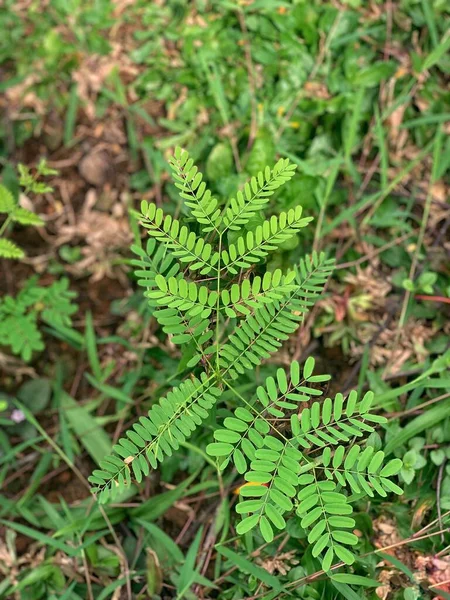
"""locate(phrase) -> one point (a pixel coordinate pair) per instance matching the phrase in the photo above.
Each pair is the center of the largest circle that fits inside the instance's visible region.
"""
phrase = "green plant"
(293, 470)
(15, 213)
(19, 316)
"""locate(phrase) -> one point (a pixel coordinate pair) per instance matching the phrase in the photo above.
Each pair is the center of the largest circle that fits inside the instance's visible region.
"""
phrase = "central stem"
(217, 305)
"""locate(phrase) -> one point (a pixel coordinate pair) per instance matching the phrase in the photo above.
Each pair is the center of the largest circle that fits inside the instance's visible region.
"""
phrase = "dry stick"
(442, 552)
(438, 496)
(368, 177)
(417, 408)
(251, 79)
(185, 527)
(436, 585)
(87, 575)
(430, 525)
(370, 255)
(432, 298)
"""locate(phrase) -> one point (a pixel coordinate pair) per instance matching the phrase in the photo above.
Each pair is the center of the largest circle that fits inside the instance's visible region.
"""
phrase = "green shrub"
(229, 320)
(20, 316)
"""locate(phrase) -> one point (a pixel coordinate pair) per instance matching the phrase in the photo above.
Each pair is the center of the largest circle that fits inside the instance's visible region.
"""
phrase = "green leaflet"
(9, 249)
(248, 296)
(193, 190)
(152, 261)
(7, 203)
(262, 334)
(185, 245)
(336, 420)
(167, 424)
(186, 296)
(255, 245)
(275, 399)
(16, 214)
(256, 194)
(26, 217)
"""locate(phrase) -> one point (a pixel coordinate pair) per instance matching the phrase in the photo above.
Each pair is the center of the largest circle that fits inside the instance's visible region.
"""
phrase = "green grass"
(356, 95)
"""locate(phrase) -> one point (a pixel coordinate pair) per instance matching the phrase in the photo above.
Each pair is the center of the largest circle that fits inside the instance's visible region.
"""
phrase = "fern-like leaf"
(183, 328)
(244, 433)
(185, 245)
(255, 245)
(335, 420)
(328, 513)
(9, 249)
(256, 194)
(26, 217)
(20, 332)
(276, 465)
(363, 471)
(263, 333)
(193, 190)
(7, 203)
(18, 316)
(188, 297)
(152, 261)
(167, 425)
(245, 298)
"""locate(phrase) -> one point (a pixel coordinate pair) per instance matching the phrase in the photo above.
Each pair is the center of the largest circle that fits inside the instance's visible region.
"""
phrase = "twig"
(416, 408)
(432, 298)
(438, 495)
(185, 527)
(87, 575)
(370, 255)
(436, 585)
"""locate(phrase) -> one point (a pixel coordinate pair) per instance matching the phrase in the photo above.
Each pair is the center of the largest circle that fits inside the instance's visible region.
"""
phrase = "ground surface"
(356, 94)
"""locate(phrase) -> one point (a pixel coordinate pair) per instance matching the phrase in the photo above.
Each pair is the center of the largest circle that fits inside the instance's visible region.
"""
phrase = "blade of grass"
(345, 591)
(71, 115)
(435, 56)
(109, 391)
(381, 141)
(41, 469)
(46, 540)
(426, 120)
(188, 571)
(431, 22)
(423, 422)
(437, 147)
(91, 346)
(349, 138)
(248, 567)
(154, 507)
(94, 439)
(331, 179)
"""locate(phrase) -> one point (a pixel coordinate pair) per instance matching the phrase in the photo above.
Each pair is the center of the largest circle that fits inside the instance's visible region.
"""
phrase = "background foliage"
(356, 95)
